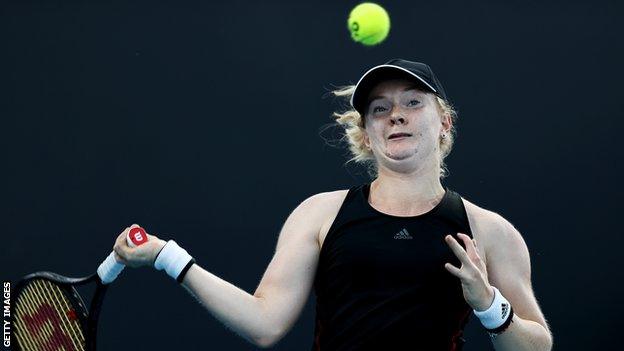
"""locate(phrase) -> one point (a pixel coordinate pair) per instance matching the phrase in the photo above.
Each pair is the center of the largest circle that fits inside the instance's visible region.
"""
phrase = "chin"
(400, 156)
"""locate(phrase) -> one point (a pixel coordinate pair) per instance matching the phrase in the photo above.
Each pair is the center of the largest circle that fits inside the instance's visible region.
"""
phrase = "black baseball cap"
(417, 72)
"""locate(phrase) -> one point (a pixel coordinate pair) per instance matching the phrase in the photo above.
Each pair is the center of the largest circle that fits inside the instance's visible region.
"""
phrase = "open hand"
(478, 292)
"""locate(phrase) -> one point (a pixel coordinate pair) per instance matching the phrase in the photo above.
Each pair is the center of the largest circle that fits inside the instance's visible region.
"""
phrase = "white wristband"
(496, 315)
(174, 260)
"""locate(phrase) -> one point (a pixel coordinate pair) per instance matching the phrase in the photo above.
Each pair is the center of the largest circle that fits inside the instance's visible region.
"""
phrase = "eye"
(413, 102)
(378, 109)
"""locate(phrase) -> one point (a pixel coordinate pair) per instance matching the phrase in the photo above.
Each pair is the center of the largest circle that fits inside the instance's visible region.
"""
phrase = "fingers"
(458, 250)
(471, 247)
(460, 253)
(135, 256)
(453, 270)
(121, 247)
(120, 259)
(121, 238)
(470, 259)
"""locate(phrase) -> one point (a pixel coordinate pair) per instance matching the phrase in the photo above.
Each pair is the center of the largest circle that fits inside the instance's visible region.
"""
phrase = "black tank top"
(381, 282)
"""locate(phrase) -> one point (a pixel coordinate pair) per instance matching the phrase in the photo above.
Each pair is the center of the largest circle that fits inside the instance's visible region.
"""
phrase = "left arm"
(506, 266)
(509, 269)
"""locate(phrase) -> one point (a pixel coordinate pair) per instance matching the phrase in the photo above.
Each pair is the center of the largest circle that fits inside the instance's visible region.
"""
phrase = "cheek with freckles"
(372, 136)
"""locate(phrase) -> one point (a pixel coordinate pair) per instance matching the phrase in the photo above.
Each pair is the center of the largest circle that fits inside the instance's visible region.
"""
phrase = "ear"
(366, 140)
(447, 122)
(445, 118)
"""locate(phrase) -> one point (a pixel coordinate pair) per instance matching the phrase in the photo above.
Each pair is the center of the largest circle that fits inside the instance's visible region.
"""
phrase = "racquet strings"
(45, 319)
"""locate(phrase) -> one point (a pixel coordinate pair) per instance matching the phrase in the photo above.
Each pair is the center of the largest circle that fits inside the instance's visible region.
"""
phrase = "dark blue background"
(202, 122)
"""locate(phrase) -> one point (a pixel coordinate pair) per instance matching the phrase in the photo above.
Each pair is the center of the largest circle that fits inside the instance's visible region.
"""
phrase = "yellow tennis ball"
(369, 23)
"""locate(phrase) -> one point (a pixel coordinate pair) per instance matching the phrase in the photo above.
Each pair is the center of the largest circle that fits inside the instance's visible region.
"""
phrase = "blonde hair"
(353, 124)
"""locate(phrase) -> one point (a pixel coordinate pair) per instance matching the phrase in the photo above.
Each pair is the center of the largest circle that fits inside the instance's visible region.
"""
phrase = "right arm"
(266, 316)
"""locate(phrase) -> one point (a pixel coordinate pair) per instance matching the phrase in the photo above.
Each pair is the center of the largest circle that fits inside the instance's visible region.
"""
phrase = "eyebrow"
(408, 88)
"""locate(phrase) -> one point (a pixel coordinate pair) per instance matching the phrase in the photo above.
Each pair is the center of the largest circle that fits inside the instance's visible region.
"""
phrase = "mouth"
(399, 135)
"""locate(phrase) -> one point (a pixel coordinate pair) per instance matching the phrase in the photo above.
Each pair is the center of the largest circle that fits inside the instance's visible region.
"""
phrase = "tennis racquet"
(50, 315)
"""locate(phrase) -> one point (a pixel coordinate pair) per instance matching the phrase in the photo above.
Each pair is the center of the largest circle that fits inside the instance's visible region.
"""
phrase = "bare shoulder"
(481, 217)
(488, 227)
(325, 207)
(327, 199)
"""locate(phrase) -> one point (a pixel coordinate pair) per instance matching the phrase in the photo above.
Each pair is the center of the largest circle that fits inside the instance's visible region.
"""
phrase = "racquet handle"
(110, 268)
(136, 236)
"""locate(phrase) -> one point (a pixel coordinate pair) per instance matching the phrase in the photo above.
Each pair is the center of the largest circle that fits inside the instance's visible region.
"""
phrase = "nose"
(397, 118)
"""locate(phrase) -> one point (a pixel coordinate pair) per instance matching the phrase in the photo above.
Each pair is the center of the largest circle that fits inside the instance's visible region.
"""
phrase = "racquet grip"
(109, 269)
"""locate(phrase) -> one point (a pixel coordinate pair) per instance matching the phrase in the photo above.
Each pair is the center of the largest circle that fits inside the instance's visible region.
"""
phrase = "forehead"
(389, 87)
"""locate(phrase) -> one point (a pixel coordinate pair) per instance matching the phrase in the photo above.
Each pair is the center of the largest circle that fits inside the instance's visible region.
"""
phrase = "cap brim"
(378, 74)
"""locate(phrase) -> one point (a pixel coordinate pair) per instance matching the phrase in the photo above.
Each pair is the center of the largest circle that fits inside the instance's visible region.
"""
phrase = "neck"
(406, 193)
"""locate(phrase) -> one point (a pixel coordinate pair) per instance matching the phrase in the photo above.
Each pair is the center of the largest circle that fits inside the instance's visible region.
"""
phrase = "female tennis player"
(399, 263)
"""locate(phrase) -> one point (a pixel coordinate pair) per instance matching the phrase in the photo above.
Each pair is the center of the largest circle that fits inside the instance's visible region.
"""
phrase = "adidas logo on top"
(504, 310)
(403, 234)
